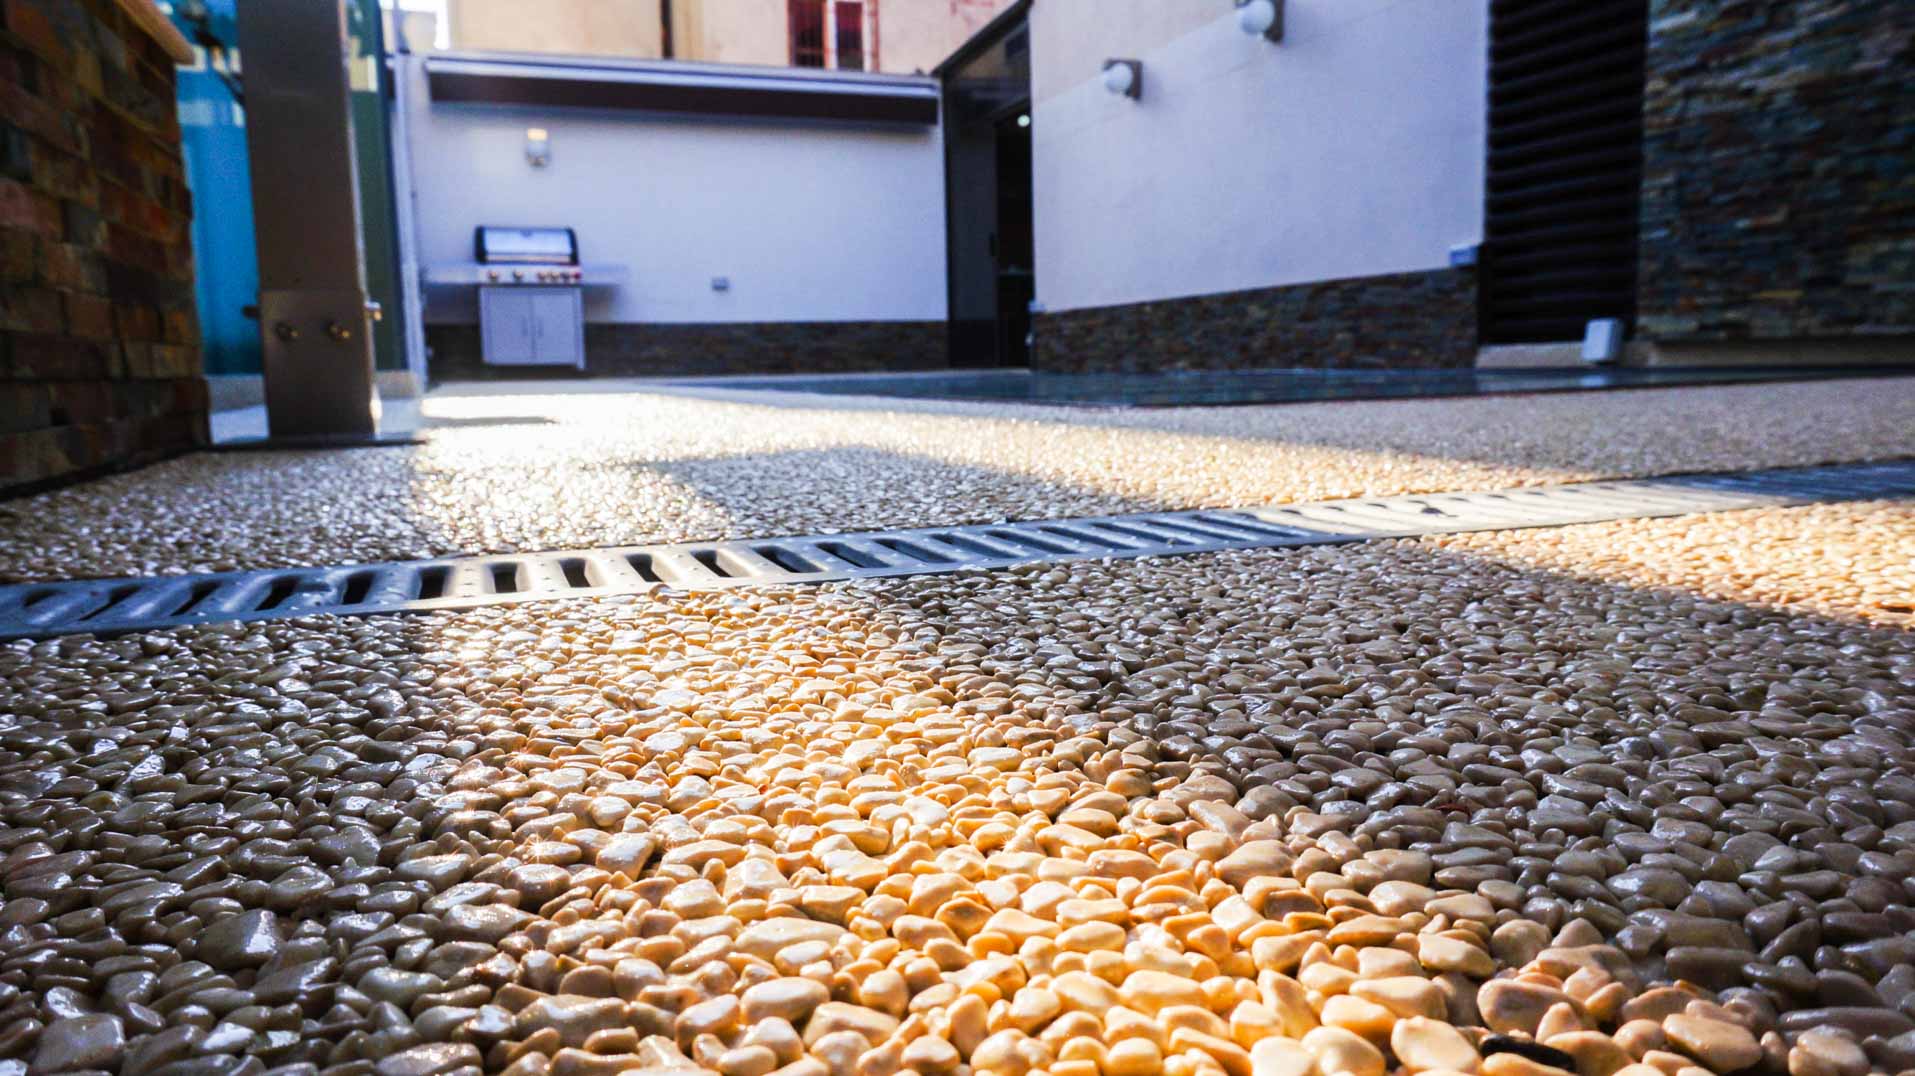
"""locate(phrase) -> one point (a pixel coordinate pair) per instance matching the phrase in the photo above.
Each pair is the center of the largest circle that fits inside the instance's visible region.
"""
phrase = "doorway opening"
(990, 239)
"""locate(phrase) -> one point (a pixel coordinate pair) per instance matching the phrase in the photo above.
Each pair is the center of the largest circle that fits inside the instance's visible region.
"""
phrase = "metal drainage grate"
(35, 610)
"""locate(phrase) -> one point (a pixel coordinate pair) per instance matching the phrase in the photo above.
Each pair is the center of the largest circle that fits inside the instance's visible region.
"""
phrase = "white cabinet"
(532, 326)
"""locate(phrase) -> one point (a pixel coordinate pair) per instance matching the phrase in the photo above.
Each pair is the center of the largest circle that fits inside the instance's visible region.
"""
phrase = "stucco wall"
(808, 223)
(1353, 149)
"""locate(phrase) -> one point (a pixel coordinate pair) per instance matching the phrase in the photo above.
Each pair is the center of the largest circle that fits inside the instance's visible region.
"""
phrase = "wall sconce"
(1261, 17)
(538, 147)
(1125, 78)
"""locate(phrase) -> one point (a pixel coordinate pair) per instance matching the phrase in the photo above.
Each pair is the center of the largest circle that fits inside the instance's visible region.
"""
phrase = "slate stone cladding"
(99, 355)
(1425, 319)
(1778, 195)
(658, 350)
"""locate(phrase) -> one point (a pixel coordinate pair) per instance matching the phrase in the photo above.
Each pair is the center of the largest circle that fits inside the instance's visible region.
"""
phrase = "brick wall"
(99, 357)
(1778, 195)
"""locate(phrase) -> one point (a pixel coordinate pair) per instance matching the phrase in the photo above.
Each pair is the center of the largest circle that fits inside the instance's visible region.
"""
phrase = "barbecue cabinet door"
(507, 331)
(559, 314)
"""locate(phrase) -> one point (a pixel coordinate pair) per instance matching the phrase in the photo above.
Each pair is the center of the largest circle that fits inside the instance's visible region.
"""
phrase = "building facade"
(889, 36)
(1419, 184)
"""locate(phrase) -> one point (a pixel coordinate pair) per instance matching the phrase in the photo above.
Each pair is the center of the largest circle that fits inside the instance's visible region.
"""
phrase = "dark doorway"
(1564, 173)
(1015, 243)
(989, 235)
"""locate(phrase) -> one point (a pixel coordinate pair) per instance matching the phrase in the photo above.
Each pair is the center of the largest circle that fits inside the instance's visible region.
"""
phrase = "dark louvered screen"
(1565, 166)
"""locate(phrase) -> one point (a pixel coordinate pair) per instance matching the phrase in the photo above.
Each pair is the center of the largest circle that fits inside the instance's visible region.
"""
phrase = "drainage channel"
(40, 610)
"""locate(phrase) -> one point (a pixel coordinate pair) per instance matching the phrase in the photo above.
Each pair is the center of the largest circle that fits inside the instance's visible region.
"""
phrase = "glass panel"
(807, 33)
(850, 20)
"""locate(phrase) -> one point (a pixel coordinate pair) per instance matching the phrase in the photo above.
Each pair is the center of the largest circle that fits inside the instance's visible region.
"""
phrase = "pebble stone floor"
(1625, 799)
(517, 473)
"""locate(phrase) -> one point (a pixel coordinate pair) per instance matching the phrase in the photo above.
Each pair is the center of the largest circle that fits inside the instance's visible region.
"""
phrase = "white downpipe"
(405, 209)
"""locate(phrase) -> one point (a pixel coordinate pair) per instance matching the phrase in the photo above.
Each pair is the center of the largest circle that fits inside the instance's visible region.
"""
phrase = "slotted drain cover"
(35, 610)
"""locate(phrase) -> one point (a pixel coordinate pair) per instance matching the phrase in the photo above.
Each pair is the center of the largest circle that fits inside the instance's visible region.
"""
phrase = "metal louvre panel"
(35, 610)
(1562, 186)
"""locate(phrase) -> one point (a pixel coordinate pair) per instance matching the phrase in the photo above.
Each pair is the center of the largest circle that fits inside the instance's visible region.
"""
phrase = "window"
(808, 33)
(850, 36)
(829, 33)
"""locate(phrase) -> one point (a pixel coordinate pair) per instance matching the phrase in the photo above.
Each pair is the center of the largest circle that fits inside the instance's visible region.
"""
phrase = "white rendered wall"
(809, 223)
(1354, 148)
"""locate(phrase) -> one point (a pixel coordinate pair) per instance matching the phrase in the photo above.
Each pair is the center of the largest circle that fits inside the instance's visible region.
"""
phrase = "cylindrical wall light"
(1124, 78)
(1263, 17)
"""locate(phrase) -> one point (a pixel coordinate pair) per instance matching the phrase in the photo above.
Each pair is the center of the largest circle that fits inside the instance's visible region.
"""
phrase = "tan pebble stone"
(1368, 930)
(1638, 1037)
(717, 1016)
(1327, 978)
(1462, 906)
(789, 998)
(1825, 1053)
(1400, 897)
(1085, 992)
(1440, 954)
(1192, 1016)
(1253, 1021)
(1234, 1059)
(1513, 1005)
(839, 1050)
(1117, 863)
(1137, 1057)
(1003, 1053)
(1152, 991)
(931, 1056)
(969, 1025)
(1340, 1051)
(1032, 1008)
(1109, 912)
(764, 939)
(1423, 1044)
(1508, 1064)
(835, 1016)
(1639, 1069)
(1559, 1019)
(829, 903)
(1366, 1018)
(1517, 942)
(1089, 937)
(1019, 925)
(1380, 963)
(886, 992)
(1666, 1062)
(1596, 1054)
(1281, 1057)
(1656, 1004)
(1719, 1044)
(747, 1061)
(1404, 995)
(1254, 859)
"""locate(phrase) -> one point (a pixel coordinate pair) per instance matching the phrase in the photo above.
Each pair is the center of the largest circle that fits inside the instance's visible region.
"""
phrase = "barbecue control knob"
(492, 274)
(518, 274)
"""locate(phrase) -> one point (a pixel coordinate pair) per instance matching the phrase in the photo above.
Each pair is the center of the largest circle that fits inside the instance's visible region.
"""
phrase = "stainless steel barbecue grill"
(531, 285)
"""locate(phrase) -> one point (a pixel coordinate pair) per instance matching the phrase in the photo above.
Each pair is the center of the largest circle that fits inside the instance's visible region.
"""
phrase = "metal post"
(313, 309)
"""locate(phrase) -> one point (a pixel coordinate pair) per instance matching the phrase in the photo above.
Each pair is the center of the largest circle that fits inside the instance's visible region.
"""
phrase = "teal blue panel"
(226, 270)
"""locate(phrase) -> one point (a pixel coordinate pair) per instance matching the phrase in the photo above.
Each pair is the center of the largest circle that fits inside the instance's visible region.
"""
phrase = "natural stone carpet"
(514, 473)
(1531, 804)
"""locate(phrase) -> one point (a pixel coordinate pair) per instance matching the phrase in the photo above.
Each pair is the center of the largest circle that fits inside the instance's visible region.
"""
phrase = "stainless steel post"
(313, 310)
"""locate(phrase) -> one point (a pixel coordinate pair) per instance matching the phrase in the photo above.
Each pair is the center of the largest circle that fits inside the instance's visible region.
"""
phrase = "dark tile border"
(1425, 319)
(657, 350)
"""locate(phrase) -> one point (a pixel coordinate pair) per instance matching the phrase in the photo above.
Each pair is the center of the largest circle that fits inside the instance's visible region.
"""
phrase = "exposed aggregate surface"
(524, 473)
(1583, 800)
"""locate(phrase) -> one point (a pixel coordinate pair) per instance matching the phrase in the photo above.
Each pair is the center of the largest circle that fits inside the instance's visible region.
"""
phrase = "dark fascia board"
(989, 34)
(682, 88)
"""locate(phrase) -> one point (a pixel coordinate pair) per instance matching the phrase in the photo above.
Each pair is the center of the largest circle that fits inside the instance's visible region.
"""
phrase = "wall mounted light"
(1124, 78)
(538, 147)
(1263, 17)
